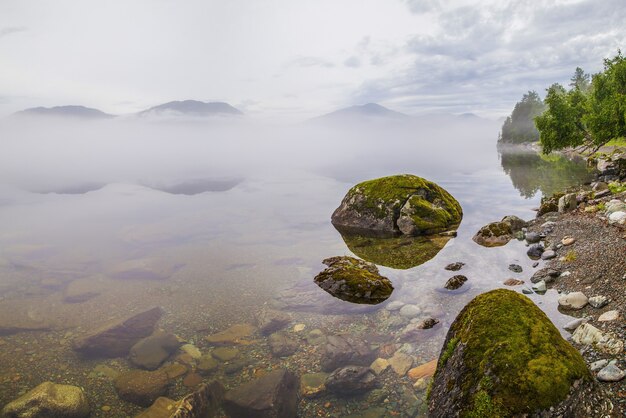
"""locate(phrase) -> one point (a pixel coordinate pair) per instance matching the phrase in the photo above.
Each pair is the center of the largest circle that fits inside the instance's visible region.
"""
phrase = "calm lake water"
(217, 223)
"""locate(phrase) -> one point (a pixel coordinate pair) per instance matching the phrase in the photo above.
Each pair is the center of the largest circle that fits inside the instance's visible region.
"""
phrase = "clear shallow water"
(228, 221)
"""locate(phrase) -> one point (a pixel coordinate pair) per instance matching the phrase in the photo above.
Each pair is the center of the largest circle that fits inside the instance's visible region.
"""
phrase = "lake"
(216, 223)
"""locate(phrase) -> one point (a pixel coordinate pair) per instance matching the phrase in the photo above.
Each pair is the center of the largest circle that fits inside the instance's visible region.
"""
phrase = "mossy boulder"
(401, 252)
(354, 280)
(397, 205)
(496, 234)
(49, 400)
(503, 357)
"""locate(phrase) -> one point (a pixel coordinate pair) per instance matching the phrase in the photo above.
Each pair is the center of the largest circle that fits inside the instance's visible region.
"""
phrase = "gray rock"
(150, 352)
(141, 387)
(535, 251)
(115, 339)
(574, 300)
(532, 237)
(410, 311)
(611, 373)
(274, 395)
(455, 282)
(342, 350)
(540, 287)
(456, 266)
(270, 321)
(415, 328)
(515, 268)
(351, 380)
(395, 305)
(567, 202)
(598, 301)
(281, 345)
(548, 255)
(49, 400)
(575, 323)
(597, 365)
(546, 274)
(527, 291)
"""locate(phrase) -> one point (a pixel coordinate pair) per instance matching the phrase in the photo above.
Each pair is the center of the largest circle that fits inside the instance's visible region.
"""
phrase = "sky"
(294, 59)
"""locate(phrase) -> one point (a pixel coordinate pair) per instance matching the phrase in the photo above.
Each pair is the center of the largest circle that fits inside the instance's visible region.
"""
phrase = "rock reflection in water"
(398, 252)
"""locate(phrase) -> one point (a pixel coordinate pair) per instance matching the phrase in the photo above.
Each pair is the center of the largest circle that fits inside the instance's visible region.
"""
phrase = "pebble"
(401, 363)
(515, 268)
(533, 237)
(597, 365)
(548, 255)
(455, 266)
(192, 350)
(572, 325)
(410, 311)
(394, 306)
(225, 353)
(574, 300)
(527, 291)
(598, 301)
(299, 327)
(611, 373)
(105, 408)
(513, 282)
(609, 316)
(379, 365)
(568, 241)
(535, 251)
(540, 287)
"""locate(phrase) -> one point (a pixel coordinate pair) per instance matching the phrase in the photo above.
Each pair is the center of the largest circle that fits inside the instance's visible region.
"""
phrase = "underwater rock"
(274, 395)
(236, 334)
(394, 205)
(115, 339)
(455, 282)
(344, 350)
(503, 357)
(270, 321)
(150, 352)
(496, 234)
(351, 380)
(49, 400)
(141, 387)
(354, 280)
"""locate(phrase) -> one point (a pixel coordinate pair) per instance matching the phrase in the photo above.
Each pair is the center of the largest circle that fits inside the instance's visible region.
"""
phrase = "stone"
(351, 380)
(597, 365)
(299, 327)
(270, 321)
(236, 366)
(546, 274)
(394, 306)
(150, 352)
(313, 384)
(456, 266)
(174, 370)
(423, 370)
(141, 387)
(587, 334)
(598, 301)
(573, 300)
(515, 268)
(192, 350)
(513, 282)
(49, 400)
(192, 380)
(548, 255)
(599, 186)
(414, 329)
(617, 218)
(611, 373)
(204, 402)
(455, 282)
(316, 337)
(568, 240)
(534, 251)
(379, 365)
(527, 291)
(115, 339)
(540, 287)
(532, 237)
(343, 350)
(236, 334)
(161, 408)
(494, 234)
(567, 203)
(274, 395)
(609, 316)
(207, 364)
(281, 345)
(575, 323)
(82, 290)
(402, 204)
(401, 363)
(504, 336)
(225, 353)
(354, 280)
(410, 311)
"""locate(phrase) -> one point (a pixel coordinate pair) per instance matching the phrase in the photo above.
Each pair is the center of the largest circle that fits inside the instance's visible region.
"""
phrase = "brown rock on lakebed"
(117, 337)
(236, 334)
(150, 352)
(49, 400)
(141, 387)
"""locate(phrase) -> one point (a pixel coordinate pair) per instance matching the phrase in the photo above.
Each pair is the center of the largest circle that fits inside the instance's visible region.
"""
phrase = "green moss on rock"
(402, 204)
(503, 357)
(354, 280)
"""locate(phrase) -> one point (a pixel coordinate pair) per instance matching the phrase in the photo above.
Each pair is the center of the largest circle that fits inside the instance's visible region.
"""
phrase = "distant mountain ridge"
(193, 108)
(366, 111)
(72, 111)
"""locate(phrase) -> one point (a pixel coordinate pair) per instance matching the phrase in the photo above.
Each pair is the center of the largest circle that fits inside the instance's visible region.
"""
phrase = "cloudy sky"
(292, 59)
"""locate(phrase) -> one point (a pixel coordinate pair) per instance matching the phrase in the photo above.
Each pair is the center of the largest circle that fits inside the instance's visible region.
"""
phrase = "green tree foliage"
(586, 116)
(519, 127)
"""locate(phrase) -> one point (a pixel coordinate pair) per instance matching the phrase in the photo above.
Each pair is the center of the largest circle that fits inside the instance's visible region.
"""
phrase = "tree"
(519, 127)
(586, 117)
(580, 80)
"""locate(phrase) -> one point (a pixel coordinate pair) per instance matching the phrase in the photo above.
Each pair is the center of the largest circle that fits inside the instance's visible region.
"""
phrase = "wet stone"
(236, 334)
(379, 365)
(535, 251)
(150, 352)
(141, 387)
(207, 364)
(235, 366)
(548, 255)
(192, 380)
(532, 237)
(513, 282)
(455, 266)
(316, 337)
(515, 268)
(574, 300)
(313, 384)
(598, 301)
(351, 380)
(49, 400)
(540, 287)
(455, 282)
(281, 345)
(401, 363)
(546, 274)
(611, 373)
(343, 350)
(225, 353)
(394, 306)
(270, 321)
(410, 311)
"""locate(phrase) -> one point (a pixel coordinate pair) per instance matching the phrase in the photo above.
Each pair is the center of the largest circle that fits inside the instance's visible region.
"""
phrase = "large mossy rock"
(403, 204)
(49, 400)
(354, 280)
(503, 357)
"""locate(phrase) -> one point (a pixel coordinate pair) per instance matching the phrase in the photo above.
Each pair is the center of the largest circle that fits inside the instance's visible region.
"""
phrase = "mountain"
(361, 112)
(192, 108)
(76, 112)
